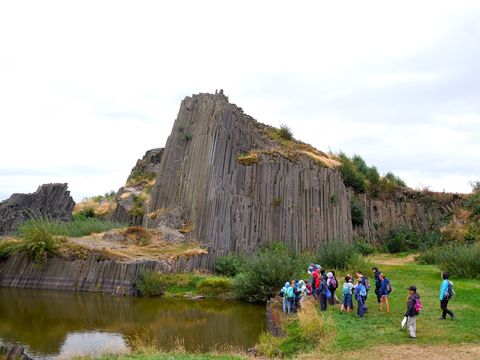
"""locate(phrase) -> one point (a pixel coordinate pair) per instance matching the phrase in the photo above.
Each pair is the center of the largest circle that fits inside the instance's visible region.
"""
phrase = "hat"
(413, 288)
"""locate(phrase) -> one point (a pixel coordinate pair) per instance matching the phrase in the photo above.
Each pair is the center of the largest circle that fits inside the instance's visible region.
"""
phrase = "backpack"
(333, 283)
(289, 293)
(366, 283)
(389, 287)
(363, 290)
(418, 305)
(346, 289)
(329, 294)
(450, 291)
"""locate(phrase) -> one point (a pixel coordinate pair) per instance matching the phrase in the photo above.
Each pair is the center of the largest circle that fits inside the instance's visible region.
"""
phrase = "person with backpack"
(290, 293)
(283, 294)
(322, 293)
(385, 289)
(347, 291)
(315, 282)
(332, 286)
(446, 293)
(376, 274)
(364, 280)
(414, 305)
(360, 296)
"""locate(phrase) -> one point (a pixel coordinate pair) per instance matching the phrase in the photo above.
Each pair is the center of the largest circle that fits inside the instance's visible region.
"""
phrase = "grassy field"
(380, 328)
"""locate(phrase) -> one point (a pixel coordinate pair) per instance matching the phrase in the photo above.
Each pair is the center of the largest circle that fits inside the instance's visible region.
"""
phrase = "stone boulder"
(52, 200)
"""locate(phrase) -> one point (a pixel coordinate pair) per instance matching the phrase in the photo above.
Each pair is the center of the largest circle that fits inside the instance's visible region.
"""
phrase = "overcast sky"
(86, 87)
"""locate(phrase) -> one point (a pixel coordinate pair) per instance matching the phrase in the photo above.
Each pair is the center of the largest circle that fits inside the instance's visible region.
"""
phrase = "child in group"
(360, 296)
(347, 290)
(332, 286)
(414, 306)
(384, 292)
(283, 294)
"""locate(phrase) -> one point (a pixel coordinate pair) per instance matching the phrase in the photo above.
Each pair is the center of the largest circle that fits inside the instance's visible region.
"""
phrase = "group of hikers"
(323, 286)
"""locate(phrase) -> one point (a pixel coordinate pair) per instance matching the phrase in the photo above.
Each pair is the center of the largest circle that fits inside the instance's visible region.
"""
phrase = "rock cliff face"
(52, 200)
(91, 274)
(132, 199)
(234, 205)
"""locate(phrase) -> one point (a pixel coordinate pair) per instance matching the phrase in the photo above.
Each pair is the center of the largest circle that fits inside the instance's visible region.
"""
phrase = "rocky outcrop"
(13, 352)
(235, 203)
(132, 199)
(51, 200)
(93, 274)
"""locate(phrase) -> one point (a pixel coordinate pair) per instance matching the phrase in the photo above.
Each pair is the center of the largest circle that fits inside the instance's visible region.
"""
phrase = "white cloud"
(86, 88)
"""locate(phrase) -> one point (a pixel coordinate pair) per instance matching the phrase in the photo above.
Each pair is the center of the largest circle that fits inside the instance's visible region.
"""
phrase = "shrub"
(357, 214)
(308, 331)
(149, 283)
(268, 345)
(38, 236)
(401, 239)
(363, 247)
(265, 271)
(8, 247)
(229, 265)
(285, 132)
(339, 255)
(457, 260)
(214, 285)
(84, 213)
(350, 175)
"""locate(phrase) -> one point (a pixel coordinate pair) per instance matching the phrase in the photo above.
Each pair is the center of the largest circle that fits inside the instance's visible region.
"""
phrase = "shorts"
(347, 300)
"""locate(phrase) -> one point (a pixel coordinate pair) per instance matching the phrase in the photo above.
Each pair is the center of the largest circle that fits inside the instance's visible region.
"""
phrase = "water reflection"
(45, 321)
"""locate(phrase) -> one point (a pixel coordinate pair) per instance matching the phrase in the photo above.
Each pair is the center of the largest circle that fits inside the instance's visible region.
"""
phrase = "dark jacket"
(411, 305)
(322, 290)
(377, 277)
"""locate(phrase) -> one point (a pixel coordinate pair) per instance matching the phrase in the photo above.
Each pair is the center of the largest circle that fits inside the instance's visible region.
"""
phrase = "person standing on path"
(445, 296)
(322, 293)
(376, 274)
(413, 307)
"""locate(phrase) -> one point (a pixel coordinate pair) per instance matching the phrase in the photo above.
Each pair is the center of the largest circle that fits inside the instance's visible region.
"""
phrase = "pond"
(52, 324)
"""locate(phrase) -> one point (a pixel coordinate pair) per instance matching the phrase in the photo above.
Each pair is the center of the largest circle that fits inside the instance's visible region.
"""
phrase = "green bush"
(364, 248)
(38, 235)
(285, 132)
(457, 260)
(84, 213)
(402, 239)
(149, 283)
(8, 247)
(214, 285)
(339, 255)
(229, 265)
(350, 175)
(265, 271)
(357, 214)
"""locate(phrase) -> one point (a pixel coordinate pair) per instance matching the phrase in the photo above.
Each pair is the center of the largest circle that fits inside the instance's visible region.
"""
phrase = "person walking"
(347, 291)
(414, 306)
(384, 292)
(376, 274)
(322, 293)
(332, 286)
(446, 293)
(360, 295)
(283, 293)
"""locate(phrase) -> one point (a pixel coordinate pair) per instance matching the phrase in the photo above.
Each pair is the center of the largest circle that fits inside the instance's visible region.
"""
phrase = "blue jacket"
(322, 290)
(358, 297)
(443, 289)
(384, 287)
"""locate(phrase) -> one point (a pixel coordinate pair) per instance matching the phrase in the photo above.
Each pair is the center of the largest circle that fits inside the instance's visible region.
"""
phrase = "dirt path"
(395, 261)
(400, 352)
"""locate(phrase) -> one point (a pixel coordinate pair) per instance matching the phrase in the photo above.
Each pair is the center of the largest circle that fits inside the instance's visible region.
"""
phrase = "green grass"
(383, 329)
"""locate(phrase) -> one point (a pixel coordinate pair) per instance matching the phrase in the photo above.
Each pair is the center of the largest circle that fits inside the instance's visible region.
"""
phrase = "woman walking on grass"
(384, 292)
(446, 293)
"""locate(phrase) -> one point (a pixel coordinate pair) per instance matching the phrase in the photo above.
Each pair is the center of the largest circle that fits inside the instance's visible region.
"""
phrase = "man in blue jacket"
(445, 294)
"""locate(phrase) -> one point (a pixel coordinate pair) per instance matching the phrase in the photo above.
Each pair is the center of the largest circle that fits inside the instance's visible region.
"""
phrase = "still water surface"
(58, 324)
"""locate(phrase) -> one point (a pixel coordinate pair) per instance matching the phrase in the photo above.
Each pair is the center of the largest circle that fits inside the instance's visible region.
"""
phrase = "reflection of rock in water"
(92, 344)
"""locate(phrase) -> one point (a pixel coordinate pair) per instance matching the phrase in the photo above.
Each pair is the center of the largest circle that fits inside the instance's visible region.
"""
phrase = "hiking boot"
(441, 318)
(453, 317)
